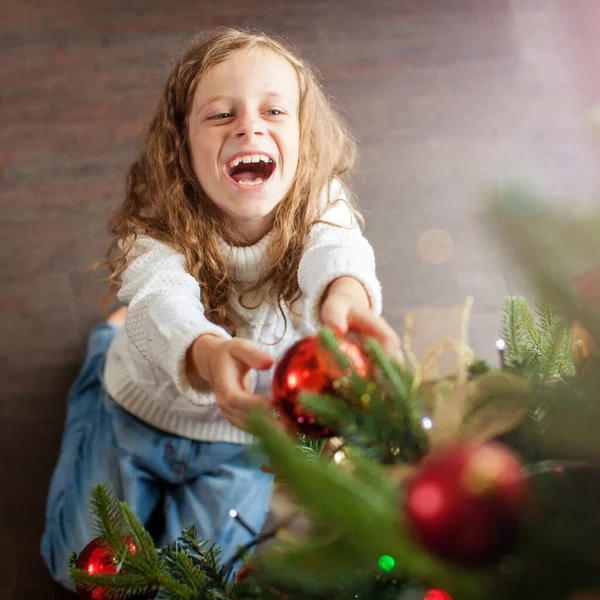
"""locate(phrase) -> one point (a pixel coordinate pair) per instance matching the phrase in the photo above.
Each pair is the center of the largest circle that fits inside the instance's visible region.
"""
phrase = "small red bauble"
(437, 595)
(307, 367)
(465, 504)
(97, 558)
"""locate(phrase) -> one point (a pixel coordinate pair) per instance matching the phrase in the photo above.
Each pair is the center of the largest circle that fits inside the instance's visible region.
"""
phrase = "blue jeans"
(187, 482)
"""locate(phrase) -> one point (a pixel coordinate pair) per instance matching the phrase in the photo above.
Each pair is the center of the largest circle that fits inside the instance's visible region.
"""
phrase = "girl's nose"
(249, 127)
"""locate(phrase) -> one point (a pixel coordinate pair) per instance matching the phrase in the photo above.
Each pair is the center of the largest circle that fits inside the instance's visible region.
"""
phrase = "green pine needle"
(118, 585)
(182, 568)
(362, 510)
(107, 518)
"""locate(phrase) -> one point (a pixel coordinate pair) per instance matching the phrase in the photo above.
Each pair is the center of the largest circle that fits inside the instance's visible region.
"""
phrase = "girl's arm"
(165, 312)
(337, 276)
(336, 248)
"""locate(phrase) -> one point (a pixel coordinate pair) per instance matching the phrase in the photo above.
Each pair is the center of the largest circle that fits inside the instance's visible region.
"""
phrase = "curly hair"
(165, 200)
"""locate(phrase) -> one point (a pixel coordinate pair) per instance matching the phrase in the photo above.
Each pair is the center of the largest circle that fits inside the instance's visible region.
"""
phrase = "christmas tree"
(421, 479)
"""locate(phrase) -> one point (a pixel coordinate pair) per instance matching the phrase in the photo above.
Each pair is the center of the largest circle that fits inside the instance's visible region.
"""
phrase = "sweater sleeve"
(165, 313)
(336, 247)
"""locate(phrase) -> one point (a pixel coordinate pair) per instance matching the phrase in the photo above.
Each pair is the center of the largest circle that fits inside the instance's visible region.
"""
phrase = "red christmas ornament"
(307, 367)
(465, 504)
(97, 558)
(437, 595)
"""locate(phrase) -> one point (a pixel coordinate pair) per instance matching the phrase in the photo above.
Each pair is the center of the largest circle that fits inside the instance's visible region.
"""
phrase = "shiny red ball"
(97, 558)
(465, 504)
(437, 595)
(307, 367)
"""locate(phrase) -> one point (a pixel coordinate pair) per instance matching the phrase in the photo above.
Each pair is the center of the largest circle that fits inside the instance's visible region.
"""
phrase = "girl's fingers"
(236, 410)
(251, 355)
(365, 322)
(335, 316)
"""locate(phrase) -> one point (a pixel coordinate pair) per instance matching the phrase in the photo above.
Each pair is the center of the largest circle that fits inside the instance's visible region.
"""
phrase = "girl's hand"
(225, 365)
(345, 307)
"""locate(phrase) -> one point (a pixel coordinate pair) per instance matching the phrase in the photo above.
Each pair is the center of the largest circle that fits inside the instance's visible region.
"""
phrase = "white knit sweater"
(145, 367)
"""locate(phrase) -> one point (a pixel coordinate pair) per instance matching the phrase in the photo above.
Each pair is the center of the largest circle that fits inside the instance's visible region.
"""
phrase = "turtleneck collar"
(246, 262)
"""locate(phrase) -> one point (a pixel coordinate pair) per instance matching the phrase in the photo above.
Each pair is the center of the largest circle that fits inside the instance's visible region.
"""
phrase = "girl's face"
(244, 136)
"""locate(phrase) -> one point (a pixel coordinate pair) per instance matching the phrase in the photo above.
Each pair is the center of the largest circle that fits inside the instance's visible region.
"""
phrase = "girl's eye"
(224, 115)
(274, 111)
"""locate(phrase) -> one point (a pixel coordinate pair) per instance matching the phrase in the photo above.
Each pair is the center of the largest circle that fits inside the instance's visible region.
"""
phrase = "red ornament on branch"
(97, 558)
(465, 504)
(307, 367)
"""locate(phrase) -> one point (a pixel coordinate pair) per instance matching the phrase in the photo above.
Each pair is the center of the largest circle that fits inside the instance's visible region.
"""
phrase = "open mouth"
(251, 169)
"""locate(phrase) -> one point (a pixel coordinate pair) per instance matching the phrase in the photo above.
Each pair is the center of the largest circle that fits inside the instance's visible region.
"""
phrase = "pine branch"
(310, 446)
(171, 589)
(145, 559)
(545, 310)
(118, 585)
(522, 339)
(565, 363)
(378, 414)
(362, 510)
(553, 350)
(403, 398)
(107, 518)
(181, 567)
(330, 343)
(204, 557)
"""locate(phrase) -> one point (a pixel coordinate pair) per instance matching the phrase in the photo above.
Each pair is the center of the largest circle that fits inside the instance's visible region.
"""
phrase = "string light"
(234, 515)
(501, 347)
(339, 456)
(386, 563)
(426, 422)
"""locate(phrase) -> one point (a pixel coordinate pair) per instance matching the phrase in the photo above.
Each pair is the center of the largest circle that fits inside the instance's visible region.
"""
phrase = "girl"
(234, 240)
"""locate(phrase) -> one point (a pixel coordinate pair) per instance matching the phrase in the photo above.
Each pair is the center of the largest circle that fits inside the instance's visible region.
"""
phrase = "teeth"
(249, 158)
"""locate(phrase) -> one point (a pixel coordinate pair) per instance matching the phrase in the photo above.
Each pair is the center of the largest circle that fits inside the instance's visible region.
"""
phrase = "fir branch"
(330, 343)
(181, 567)
(118, 585)
(523, 344)
(204, 556)
(360, 428)
(553, 350)
(171, 589)
(107, 518)
(364, 513)
(310, 446)
(145, 559)
(403, 397)
(545, 311)
(565, 364)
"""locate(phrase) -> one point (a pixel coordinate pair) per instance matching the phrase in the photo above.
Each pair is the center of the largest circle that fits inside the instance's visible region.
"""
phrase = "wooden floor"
(444, 96)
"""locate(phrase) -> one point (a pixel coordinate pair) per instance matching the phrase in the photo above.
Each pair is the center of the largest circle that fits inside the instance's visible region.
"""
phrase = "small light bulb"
(233, 513)
(426, 422)
(500, 345)
(339, 456)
